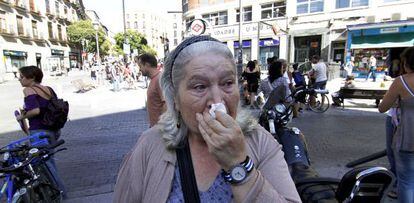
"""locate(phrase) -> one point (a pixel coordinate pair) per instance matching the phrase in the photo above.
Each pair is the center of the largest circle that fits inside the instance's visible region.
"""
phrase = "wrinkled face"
(209, 79)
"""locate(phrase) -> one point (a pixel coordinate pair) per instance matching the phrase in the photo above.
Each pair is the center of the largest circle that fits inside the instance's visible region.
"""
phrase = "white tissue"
(217, 107)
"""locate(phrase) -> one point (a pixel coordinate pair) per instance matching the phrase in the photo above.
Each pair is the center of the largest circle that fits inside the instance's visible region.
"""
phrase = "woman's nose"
(215, 96)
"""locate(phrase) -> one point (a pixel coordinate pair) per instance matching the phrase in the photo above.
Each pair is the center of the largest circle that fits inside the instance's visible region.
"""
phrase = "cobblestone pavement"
(104, 125)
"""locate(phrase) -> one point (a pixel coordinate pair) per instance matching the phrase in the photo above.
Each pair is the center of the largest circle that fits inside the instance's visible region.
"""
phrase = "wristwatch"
(239, 172)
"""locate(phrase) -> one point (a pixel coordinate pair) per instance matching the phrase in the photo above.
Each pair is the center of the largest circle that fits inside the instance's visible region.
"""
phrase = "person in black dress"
(252, 76)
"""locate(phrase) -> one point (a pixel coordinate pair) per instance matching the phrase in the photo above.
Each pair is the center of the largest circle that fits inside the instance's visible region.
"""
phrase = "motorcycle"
(362, 184)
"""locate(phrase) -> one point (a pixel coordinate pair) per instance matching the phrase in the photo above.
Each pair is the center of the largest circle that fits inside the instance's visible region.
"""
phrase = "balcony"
(6, 2)
(7, 32)
(38, 36)
(21, 6)
(35, 12)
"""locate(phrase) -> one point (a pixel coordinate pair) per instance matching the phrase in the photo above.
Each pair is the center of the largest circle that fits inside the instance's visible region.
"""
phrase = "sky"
(110, 11)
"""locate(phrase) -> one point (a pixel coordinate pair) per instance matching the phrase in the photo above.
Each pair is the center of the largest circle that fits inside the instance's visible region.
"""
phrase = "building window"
(128, 25)
(185, 6)
(219, 18)
(188, 22)
(20, 28)
(135, 25)
(50, 29)
(60, 32)
(350, 3)
(247, 14)
(3, 25)
(47, 6)
(57, 8)
(175, 25)
(175, 33)
(34, 29)
(136, 16)
(309, 6)
(175, 42)
(274, 10)
(386, 1)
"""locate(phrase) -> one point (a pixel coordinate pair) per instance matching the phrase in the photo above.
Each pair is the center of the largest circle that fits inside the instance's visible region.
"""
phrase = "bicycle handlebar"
(44, 154)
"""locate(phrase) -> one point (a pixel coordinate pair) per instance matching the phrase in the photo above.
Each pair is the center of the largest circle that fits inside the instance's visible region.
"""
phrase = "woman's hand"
(224, 138)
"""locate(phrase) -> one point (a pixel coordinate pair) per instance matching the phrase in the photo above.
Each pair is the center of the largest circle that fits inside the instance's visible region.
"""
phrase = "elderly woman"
(196, 154)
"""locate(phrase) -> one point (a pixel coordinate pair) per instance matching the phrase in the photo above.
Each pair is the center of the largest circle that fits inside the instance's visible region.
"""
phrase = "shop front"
(55, 63)
(268, 48)
(385, 41)
(13, 60)
(74, 59)
(306, 47)
(246, 48)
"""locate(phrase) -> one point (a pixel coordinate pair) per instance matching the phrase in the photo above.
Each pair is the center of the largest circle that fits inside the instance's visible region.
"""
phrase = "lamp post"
(96, 27)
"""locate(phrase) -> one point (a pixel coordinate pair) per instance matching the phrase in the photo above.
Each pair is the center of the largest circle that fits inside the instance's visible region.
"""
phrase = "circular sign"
(197, 27)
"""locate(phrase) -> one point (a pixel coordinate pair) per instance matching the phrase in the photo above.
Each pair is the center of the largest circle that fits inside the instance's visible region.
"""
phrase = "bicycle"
(26, 177)
(314, 99)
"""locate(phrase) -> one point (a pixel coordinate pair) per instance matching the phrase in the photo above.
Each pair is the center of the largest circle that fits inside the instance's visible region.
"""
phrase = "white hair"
(170, 80)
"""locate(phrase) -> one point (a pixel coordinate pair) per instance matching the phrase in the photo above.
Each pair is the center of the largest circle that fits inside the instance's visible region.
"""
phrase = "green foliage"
(83, 30)
(136, 41)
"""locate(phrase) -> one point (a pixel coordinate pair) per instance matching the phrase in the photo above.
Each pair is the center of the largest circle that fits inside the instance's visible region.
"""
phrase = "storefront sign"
(247, 29)
(58, 52)
(246, 44)
(14, 53)
(268, 42)
(389, 30)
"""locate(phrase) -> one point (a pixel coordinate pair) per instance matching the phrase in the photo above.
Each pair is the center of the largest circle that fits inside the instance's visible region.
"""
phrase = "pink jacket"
(147, 171)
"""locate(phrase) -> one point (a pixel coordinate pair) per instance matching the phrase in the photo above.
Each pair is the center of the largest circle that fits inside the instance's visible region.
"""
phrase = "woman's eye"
(229, 83)
(199, 87)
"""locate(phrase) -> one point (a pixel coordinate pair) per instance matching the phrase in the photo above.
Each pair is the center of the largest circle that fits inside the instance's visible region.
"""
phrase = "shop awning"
(383, 41)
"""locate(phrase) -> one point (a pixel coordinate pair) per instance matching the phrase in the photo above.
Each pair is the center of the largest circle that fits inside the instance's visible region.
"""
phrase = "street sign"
(127, 49)
(197, 27)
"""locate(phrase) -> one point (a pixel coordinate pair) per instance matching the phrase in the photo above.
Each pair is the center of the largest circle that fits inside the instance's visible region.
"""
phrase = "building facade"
(33, 32)
(151, 25)
(292, 29)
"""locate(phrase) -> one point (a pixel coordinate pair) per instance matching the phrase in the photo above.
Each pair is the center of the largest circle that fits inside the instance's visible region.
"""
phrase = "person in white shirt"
(372, 68)
(319, 73)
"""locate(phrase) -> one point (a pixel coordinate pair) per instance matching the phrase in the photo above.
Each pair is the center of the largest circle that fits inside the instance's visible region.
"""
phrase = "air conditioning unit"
(370, 19)
(396, 16)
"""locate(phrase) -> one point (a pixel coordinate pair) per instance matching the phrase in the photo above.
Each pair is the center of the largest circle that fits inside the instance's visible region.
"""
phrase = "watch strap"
(248, 166)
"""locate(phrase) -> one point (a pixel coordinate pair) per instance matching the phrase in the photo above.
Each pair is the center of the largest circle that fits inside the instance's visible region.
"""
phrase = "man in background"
(155, 100)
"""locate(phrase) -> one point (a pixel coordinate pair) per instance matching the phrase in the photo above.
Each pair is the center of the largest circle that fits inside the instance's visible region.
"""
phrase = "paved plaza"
(104, 125)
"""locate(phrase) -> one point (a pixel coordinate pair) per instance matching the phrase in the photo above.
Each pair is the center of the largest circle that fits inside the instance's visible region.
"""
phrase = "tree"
(83, 30)
(136, 41)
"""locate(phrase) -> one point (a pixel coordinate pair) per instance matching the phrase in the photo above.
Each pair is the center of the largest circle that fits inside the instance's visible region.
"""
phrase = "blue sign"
(14, 53)
(246, 44)
(268, 42)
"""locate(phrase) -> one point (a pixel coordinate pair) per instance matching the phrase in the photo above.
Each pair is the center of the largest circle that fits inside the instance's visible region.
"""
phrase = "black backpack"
(55, 115)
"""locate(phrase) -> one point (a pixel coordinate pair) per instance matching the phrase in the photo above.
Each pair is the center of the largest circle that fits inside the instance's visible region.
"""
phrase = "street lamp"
(96, 27)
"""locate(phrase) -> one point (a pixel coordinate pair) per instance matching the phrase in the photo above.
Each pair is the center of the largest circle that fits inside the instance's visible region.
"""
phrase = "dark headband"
(187, 42)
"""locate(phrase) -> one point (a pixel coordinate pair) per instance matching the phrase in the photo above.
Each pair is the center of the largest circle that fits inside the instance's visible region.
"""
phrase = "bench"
(361, 93)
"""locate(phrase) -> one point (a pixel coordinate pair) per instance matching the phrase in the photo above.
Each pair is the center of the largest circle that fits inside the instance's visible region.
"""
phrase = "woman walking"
(402, 92)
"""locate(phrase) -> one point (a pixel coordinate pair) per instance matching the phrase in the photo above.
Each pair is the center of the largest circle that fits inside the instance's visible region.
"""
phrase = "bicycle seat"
(364, 184)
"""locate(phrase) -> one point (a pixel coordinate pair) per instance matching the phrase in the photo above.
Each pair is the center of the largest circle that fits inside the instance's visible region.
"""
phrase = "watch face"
(238, 173)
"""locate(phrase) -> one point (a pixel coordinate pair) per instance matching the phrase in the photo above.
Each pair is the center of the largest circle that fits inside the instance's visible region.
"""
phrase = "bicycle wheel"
(318, 103)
